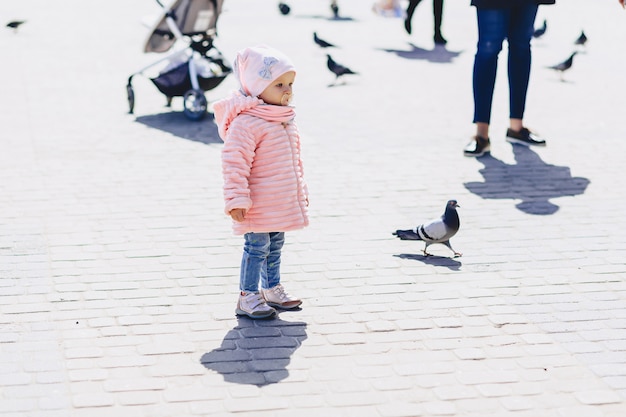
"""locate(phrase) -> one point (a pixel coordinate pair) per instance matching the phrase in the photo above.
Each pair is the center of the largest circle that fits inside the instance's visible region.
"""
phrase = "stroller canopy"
(193, 17)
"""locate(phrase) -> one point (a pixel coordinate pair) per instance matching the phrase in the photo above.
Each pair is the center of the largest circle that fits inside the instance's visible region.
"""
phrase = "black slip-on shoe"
(439, 39)
(478, 146)
(524, 137)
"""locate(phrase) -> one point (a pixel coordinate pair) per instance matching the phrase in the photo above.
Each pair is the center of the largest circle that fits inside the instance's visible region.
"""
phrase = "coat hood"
(227, 109)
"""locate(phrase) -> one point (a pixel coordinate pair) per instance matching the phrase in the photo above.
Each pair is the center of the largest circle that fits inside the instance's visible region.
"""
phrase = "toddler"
(264, 189)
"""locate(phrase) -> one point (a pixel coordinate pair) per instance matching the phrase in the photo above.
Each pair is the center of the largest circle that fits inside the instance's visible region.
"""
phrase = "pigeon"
(322, 42)
(436, 231)
(15, 24)
(581, 40)
(565, 65)
(539, 32)
(338, 69)
(334, 8)
(284, 9)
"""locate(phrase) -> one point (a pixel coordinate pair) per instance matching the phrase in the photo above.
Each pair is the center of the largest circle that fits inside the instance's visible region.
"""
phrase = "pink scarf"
(272, 113)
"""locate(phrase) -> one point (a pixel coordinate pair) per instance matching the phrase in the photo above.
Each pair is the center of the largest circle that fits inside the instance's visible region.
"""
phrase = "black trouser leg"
(438, 14)
(409, 14)
(411, 8)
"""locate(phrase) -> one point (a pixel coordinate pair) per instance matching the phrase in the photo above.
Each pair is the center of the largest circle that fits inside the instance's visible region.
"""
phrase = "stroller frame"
(184, 80)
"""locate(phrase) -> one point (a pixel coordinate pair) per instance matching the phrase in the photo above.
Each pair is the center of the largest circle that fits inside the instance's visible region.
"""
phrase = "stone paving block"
(124, 360)
(400, 410)
(439, 408)
(504, 352)
(18, 407)
(250, 405)
(87, 375)
(90, 400)
(138, 398)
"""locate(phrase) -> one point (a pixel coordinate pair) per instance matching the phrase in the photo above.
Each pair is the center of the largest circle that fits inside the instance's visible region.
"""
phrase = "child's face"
(279, 92)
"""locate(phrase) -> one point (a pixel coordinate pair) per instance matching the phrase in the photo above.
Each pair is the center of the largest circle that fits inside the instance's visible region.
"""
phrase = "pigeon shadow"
(204, 131)
(329, 18)
(339, 83)
(256, 352)
(562, 81)
(530, 179)
(439, 54)
(434, 260)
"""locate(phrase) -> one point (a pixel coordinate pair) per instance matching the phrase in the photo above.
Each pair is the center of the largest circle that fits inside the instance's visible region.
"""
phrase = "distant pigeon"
(436, 231)
(338, 69)
(581, 40)
(322, 42)
(284, 9)
(539, 32)
(15, 24)
(334, 8)
(565, 65)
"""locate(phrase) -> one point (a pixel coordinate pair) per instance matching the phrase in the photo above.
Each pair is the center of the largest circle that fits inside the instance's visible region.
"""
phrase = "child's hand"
(238, 214)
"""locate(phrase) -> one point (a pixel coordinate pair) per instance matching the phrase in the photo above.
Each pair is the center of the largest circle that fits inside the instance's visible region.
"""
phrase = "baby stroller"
(192, 69)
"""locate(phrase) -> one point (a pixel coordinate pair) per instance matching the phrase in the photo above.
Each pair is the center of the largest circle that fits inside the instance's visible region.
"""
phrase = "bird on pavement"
(439, 230)
(581, 40)
(322, 42)
(565, 65)
(335, 8)
(284, 9)
(338, 69)
(539, 32)
(15, 24)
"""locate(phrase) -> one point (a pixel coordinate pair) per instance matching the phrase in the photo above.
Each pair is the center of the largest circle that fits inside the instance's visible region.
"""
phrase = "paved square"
(119, 271)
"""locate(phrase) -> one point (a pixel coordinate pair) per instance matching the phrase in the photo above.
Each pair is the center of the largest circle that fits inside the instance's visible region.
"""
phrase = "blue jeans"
(261, 260)
(515, 24)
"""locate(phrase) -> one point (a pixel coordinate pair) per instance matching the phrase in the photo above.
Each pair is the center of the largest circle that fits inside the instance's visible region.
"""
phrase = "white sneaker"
(278, 297)
(254, 306)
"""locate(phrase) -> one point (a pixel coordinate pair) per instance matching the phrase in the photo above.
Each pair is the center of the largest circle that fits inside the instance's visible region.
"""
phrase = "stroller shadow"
(449, 263)
(256, 352)
(530, 180)
(439, 54)
(204, 131)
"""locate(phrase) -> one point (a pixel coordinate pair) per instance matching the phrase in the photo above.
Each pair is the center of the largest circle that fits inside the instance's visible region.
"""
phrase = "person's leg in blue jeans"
(492, 30)
(271, 288)
(520, 33)
(270, 272)
(255, 251)
(519, 36)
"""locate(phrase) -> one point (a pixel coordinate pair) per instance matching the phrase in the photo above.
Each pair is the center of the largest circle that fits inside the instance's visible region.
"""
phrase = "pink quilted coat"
(262, 168)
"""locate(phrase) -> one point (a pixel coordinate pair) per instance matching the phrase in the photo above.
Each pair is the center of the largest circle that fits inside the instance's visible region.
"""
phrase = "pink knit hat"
(258, 66)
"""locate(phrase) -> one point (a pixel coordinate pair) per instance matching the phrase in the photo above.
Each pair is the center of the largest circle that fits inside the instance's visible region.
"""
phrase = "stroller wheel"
(130, 93)
(195, 104)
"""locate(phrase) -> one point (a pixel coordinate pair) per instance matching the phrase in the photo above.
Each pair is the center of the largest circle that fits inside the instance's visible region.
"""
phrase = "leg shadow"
(256, 352)
(439, 54)
(530, 179)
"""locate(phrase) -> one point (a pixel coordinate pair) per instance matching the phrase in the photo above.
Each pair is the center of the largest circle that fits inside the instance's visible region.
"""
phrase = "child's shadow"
(530, 180)
(256, 352)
